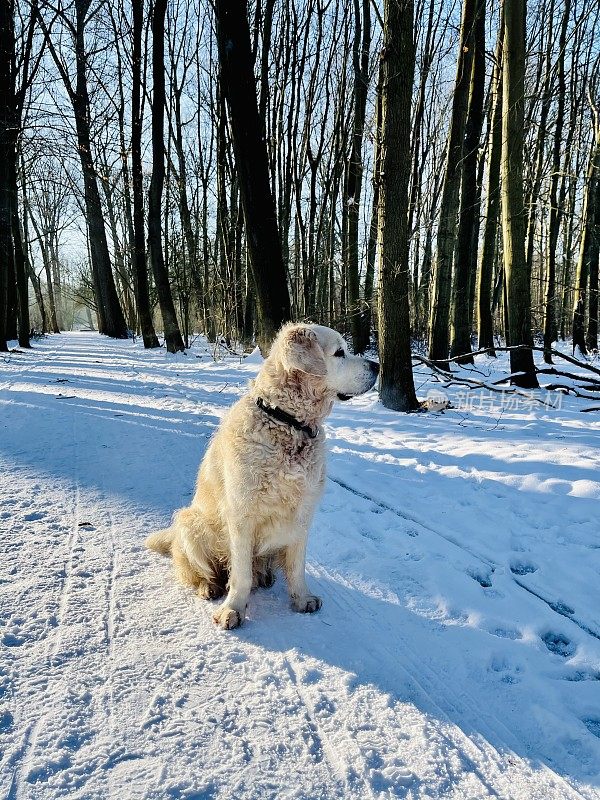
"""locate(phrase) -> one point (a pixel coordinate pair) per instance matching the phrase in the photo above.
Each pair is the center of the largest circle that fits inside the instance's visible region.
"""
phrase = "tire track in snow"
(67, 577)
(112, 608)
(328, 749)
(18, 760)
(64, 597)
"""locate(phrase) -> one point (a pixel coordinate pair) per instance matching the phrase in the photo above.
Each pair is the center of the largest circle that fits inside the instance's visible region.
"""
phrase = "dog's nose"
(374, 367)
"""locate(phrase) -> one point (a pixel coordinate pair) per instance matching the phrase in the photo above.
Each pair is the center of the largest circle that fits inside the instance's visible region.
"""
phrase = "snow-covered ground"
(457, 652)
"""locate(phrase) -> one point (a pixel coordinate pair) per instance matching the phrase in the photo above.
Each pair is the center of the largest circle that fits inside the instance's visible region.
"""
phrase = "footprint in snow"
(483, 577)
(501, 665)
(312, 676)
(34, 516)
(6, 721)
(580, 675)
(11, 640)
(558, 643)
(518, 567)
(324, 707)
(393, 778)
(505, 633)
(593, 725)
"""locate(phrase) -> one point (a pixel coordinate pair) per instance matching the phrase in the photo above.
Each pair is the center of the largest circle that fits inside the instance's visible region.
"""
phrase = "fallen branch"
(561, 387)
(557, 353)
(562, 374)
(454, 379)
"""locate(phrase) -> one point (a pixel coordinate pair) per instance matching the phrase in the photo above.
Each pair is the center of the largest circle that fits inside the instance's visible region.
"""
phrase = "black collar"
(283, 416)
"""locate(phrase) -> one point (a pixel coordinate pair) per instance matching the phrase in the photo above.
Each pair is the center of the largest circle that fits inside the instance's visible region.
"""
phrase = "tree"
(110, 315)
(468, 229)
(171, 331)
(360, 59)
(588, 248)
(397, 384)
(550, 326)
(517, 276)
(439, 344)
(7, 257)
(140, 274)
(485, 275)
(264, 246)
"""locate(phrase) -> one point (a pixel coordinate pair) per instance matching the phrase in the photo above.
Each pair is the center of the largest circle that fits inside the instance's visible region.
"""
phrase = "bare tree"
(439, 338)
(513, 211)
(397, 384)
(588, 249)
(235, 55)
(110, 315)
(360, 59)
(142, 294)
(485, 329)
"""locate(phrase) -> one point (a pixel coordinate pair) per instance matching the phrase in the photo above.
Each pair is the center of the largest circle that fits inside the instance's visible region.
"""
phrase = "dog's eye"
(340, 353)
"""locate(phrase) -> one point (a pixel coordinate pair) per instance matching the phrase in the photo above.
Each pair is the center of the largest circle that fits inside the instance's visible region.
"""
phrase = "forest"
(241, 242)
(422, 176)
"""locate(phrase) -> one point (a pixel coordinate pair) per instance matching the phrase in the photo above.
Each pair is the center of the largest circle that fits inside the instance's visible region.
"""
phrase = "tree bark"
(466, 255)
(485, 276)
(110, 314)
(172, 334)
(140, 272)
(446, 235)
(360, 58)
(588, 246)
(591, 337)
(6, 124)
(550, 326)
(397, 383)
(518, 290)
(262, 236)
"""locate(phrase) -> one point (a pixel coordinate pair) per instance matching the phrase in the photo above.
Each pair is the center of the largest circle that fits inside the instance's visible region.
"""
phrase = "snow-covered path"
(457, 654)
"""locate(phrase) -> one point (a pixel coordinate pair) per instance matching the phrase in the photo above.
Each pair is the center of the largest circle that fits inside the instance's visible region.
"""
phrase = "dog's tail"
(161, 541)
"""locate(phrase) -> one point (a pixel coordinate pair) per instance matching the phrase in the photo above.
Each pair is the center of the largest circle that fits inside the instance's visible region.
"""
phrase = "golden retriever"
(263, 473)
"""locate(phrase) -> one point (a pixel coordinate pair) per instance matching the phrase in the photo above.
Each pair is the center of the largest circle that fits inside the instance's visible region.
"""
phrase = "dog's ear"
(300, 350)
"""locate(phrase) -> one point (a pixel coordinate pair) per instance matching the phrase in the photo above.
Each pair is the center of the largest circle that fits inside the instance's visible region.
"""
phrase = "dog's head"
(321, 353)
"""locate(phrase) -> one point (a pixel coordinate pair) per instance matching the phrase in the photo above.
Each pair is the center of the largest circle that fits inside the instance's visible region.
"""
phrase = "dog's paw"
(227, 618)
(307, 605)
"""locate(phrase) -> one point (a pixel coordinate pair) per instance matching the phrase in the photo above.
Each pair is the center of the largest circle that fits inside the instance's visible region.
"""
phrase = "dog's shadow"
(387, 652)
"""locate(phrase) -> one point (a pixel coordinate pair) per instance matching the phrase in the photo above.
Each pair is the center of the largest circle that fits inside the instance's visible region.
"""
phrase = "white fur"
(261, 479)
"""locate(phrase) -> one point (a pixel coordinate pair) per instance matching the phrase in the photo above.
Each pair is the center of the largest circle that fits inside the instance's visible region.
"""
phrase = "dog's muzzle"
(373, 367)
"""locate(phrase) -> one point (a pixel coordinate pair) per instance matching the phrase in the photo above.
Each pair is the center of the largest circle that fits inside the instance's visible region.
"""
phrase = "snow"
(457, 652)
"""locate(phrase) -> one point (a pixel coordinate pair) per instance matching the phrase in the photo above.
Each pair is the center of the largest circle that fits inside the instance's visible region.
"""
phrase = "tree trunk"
(110, 314)
(468, 227)
(588, 247)
(172, 333)
(446, 236)
(550, 327)
(6, 138)
(140, 273)
(397, 384)
(360, 57)
(513, 212)
(485, 322)
(262, 236)
(591, 337)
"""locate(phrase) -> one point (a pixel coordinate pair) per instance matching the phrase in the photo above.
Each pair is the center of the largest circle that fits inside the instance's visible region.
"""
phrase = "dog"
(263, 474)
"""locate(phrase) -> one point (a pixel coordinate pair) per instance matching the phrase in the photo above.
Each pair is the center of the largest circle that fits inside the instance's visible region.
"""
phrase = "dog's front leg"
(231, 614)
(295, 572)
